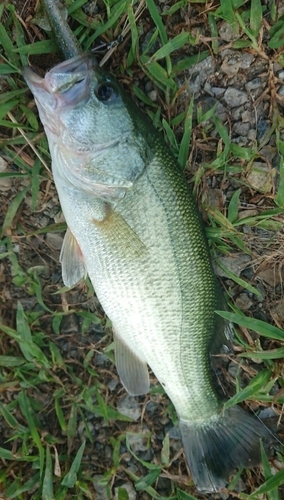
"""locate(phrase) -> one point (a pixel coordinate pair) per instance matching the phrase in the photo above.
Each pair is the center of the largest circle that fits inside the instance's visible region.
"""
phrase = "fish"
(134, 228)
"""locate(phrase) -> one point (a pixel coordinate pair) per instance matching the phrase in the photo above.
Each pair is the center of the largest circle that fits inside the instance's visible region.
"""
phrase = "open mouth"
(63, 76)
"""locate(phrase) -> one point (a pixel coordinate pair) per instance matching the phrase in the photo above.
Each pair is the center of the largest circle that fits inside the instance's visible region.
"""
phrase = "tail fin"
(214, 449)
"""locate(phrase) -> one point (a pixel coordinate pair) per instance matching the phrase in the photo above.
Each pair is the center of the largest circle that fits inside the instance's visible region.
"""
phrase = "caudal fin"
(215, 449)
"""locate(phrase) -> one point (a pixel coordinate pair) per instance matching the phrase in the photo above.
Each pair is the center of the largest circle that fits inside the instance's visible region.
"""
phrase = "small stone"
(152, 95)
(69, 324)
(54, 240)
(235, 97)
(216, 198)
(5, 184)
(101, 490)
(217, 91)
(112, 384)
(138, 440)
(174, 432)
(200, 73)
(268, 152)
(278, 312)
(263, 127)
(243, 302)
(125, 487)
(247, 213)
(261, 177)
(228, 33)
(253, 84)
(252, 135)
(3, 164)
(234, 263)
(271, 276)
(247, 60)
(248, 116)
(241, 128)
(231, 64)
(281, 90)
(129, 407)
(281, 75)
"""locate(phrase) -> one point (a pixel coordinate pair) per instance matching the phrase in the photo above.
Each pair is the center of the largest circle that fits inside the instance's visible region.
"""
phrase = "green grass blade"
(13, 209)
(176, 43)
(28, 412)
(43, 47)
(261, 327)
(272, 483)
(47, 484)
(8, 47)
(71, 477)
(185, 142)
(256, 384)
(157, 20)
(233, 208)
(255, 16)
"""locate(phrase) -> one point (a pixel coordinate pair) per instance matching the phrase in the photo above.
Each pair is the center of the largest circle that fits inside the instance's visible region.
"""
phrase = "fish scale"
(134, 228)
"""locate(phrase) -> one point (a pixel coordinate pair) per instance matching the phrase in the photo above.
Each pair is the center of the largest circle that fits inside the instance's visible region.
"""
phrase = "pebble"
(278, 312)
(253, 84)
(139, 440)
(248, 116)
(261, 177)
(216, 198)
(271, 276)
(217, 91)
(5, 183)
(236, 263)
(119, 492)
(246, 60)
(174, 432)
(227, 33)
(152, 95)
(112, 384)
(101, 490)
(241, 128)
(243, 302)
(129, 407)
(231, 64)
(69, 324)
(54, 240)
(252, 135)
(235, 97)
(262, 128)
(201, 71)
(3, 164)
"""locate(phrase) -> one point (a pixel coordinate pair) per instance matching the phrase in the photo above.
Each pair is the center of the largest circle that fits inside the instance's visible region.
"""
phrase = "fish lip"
(30, 76)
(76, 68)
(78, 64)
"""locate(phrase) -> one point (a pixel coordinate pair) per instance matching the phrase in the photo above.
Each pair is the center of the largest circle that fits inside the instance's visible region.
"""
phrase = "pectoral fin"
(132, 371)
(118, 233)
(72, 261)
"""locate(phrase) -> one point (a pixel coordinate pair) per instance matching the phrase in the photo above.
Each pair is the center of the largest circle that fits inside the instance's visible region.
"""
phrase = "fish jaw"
(63, 86)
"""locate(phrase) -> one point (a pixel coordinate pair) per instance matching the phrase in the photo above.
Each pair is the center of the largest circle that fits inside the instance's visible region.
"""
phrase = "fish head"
(84, 114)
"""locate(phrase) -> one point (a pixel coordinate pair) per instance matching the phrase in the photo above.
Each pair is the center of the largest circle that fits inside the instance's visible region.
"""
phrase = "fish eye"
(105, 92)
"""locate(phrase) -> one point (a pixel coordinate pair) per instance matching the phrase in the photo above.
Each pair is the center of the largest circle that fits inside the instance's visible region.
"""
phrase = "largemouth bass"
(133, 227)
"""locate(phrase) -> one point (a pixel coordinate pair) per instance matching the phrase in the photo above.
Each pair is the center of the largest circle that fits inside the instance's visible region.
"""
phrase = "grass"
(57, 407)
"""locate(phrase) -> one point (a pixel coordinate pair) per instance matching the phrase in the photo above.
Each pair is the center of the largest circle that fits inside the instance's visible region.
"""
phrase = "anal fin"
(72, 260)
(132, 371)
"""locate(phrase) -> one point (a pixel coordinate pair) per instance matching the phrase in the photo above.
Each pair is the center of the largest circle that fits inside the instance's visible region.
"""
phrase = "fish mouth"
(69, 71)
(64, 85)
